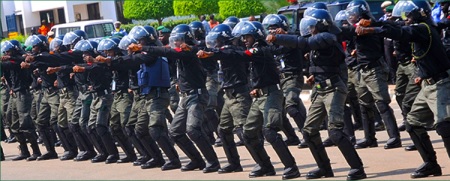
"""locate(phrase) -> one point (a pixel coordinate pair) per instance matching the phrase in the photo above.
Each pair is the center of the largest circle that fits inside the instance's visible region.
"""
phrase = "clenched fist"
(78, 69)
(204, 54)
(280, 31)
(52, 70)
(135, 47)
(29, 59)
(271, 38)
(24, 65)
(102, 59)
(365, 22)
(185, 47)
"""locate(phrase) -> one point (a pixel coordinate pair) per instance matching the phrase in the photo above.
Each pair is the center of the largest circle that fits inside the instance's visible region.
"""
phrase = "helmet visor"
(307, 25)
(70, 38)
(32, 41)
(211, 40)
(55, 45)
(125, 42)
(106, 44)
(84, 46)
(6, 46)
(353, 14)
(403, 8)
(175, 40)
(139, 32)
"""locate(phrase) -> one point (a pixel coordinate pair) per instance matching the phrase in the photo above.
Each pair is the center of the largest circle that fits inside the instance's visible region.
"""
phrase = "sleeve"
(414, 33)
(167, 52)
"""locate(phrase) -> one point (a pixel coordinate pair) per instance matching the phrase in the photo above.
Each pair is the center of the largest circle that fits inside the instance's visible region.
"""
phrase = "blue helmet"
(198, 29)
(232, 21)
(319, 20)
(145, 32)
(341, 18)
(275, 20)
(87, 46)
(11, 45)
(183, 32)
(418, 10)
(253, 28)
(358, 9)
(36, 40)
(56, 45)
(219, 35)
(73, 37)
(316, 5)
(109, 44)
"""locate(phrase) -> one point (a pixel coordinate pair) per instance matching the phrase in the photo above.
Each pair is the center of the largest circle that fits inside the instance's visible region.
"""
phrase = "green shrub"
(168, 24)
(21, 38)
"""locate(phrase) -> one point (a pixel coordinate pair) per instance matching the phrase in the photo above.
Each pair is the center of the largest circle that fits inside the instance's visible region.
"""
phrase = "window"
(99, 30)
(63, 31)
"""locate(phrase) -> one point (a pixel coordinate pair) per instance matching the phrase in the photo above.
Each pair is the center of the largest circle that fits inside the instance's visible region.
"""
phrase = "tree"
(148, 9)
(240, 8)
(273, 5)
(197, 7)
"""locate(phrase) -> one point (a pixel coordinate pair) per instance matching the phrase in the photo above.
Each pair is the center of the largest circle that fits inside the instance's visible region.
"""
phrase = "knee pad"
(155, 132)
(74, 128)
(382, 107)
(398, 94)
(292, 111)
(101, 130)
(251, 140)
(336, 135)
(443, 129)
(116, 132)
(194, 134)
(270, 135)
(130, 131)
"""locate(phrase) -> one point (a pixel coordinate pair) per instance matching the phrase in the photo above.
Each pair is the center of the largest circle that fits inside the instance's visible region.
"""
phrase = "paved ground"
(380, 164)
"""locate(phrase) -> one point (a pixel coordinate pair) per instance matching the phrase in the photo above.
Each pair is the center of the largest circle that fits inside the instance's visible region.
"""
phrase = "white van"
(94, 29)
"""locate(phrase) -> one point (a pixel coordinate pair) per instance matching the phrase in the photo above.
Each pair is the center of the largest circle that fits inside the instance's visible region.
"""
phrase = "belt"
(232, 92)
(49, 89)
(66, 89)
(371, 65)
(102, 92)
(437, 78)
(328, 82)
(194, 91)
(266, 90)
(284, 75)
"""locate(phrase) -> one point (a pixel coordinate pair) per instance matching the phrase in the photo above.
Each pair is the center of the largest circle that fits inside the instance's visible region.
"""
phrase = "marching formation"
(238, 78)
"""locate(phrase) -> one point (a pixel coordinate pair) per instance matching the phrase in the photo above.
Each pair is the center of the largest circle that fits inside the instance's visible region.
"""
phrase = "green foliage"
(197, 7)
(21, 38)
(240, 8)
(168, 24)
(272, 6)
(147, 9)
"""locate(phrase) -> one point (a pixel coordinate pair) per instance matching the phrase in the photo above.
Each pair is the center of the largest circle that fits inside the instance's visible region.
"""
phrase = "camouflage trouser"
(120, 110)
(432, 100)
(20, 103)
(406, 89)
(67, 104)
(235, 110)
(326, 102)
(48, 109)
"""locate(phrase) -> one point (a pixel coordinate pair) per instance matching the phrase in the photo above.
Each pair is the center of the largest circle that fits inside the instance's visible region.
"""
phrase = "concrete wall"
(37, 6)
(108, 10)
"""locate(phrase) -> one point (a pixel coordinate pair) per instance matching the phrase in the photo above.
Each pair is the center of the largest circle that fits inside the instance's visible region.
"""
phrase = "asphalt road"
(380, 164)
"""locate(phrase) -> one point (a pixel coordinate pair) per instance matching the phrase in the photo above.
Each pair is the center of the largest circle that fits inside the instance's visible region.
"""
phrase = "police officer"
(265, 113)
(434, 69)
(233, 76)
(77, 125)
(48, 113)
(231, 21)
(189, 115)
(99, 75)
(154, 81)
(123, 100)
(326, 56)
(212, 85)
(291, 74)
(20, 102)
(369, 53)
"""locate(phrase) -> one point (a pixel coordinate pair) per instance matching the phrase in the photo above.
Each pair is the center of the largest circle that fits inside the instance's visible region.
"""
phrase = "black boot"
(229, 147)
(240, 134)
(49, 145)
(207, 150)
(290, 167)
(350, 154)
(144, 156)
(291, 138)
(32, 139)
(422, 141)
(98, 144)
(443, 129)
(263, 165)
(24, 153)
(124, 142)
(191, 152)
(159, 134)
(83, 143)
(107, 140)
(320, 156)
(69, 144)
(369, 129)
(154, 151)
(391, 126)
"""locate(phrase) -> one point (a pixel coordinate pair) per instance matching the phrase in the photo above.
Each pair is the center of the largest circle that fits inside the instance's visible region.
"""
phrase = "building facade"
(21, 16)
